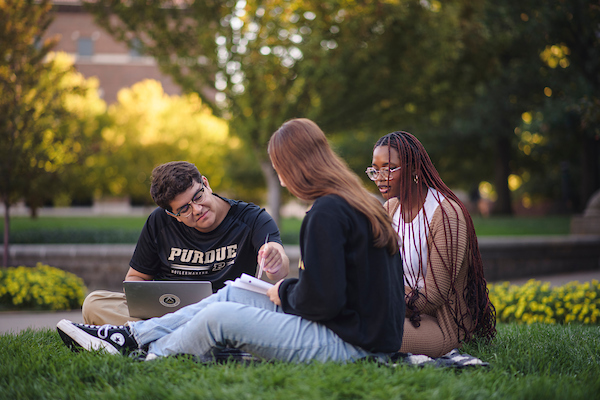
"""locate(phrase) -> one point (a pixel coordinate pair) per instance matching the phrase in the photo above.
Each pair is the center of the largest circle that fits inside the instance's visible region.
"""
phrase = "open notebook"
(250, 283)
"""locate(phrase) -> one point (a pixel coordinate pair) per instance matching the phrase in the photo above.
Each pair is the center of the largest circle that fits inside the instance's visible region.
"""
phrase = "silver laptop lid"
(147, 299)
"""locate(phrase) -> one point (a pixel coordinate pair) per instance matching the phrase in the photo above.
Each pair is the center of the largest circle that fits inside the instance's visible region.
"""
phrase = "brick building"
(97, 54)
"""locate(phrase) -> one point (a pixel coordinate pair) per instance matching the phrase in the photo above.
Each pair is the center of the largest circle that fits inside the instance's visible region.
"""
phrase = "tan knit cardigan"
(439, 298)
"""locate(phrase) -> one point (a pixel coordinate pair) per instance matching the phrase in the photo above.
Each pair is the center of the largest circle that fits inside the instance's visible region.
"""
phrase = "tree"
(504, 82)
(395, 66)
(30, 105)
(80, 137)
(571, 57)
(336, 62)
(209, 45)
(536, 100)
(533, 105)
(148, 127)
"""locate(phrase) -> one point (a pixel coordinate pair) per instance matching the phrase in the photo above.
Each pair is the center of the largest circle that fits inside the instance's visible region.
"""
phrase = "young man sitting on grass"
(195, 234)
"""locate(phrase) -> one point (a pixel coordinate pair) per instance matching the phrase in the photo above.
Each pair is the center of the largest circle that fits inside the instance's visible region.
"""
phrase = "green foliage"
(559, 138)
(527, 361)
(538, 302)
(461, 75)
(532, 107)
(41, 93)
(289, 229)
(48, 112)
(243, 177)
(386, 66)
(344, 64)
(79, 131)
(147, 128)
(40, 288)
(209, 45)
(355, 147)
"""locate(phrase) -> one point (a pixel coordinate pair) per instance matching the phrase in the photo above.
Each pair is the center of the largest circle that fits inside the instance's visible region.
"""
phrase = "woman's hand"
(276, 263)
(273, 293)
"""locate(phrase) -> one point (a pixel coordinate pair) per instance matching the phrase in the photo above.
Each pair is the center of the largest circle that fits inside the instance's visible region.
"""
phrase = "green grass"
(516, 226)
(18, 224)
(527, 362)
(74, 230)
(127, 229)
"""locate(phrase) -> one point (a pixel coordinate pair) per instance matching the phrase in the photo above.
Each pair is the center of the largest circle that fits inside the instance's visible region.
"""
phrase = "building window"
(135, 46)
(85, 47)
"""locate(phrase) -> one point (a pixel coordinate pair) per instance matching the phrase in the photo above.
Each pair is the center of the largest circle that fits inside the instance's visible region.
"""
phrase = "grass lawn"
(75, 230)
(516, 226)
(127, 229)
(527, 362)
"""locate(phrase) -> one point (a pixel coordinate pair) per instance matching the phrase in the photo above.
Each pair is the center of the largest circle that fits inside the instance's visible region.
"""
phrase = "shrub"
(538, 302)
(40, 288)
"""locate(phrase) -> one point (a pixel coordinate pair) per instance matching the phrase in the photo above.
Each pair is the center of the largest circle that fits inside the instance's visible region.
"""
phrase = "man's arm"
(133, 275)
(276, 262)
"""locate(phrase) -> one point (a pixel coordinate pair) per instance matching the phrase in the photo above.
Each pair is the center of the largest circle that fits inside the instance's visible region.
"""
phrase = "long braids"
(418, 166)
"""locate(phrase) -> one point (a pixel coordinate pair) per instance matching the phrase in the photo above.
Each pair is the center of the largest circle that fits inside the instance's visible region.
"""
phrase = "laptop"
(147, 299)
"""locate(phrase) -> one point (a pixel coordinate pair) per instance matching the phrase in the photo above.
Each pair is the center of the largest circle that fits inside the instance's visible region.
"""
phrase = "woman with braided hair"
(446, 294)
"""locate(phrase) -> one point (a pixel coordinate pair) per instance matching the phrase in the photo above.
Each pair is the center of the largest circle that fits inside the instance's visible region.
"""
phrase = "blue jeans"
(245, 320)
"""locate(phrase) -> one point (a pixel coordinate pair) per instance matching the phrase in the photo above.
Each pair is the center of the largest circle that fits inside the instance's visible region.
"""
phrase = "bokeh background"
(505, 96)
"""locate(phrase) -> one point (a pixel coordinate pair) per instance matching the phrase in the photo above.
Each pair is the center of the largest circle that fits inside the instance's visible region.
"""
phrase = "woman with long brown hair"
(446, 293)
(347, 304)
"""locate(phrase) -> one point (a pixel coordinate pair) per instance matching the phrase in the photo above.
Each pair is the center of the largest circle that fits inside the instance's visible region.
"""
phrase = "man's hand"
(276, 263)
(273, 293)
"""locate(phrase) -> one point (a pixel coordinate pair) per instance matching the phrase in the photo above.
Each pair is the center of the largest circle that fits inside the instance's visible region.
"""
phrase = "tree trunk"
(273, 190)
(501, 172)
(33, 211)
(590, 168)
(6, 233)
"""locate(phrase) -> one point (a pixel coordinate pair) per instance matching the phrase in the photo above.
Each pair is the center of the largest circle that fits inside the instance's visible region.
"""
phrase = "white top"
(412, 238)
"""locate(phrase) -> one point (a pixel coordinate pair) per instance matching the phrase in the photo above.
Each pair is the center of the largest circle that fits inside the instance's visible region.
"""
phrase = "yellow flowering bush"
(539, 302)
(40, 288)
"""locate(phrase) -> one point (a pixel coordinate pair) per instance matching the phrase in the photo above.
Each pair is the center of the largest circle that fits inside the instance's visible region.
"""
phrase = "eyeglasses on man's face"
(187, 210)
(384, 172)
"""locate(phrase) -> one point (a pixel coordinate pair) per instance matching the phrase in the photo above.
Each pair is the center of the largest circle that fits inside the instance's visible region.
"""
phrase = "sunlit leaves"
(39, 107)
(149, 127)
(556, 55)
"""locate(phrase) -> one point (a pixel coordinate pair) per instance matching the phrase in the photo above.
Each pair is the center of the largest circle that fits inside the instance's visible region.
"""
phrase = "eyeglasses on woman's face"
(187, 210)
(384, 173)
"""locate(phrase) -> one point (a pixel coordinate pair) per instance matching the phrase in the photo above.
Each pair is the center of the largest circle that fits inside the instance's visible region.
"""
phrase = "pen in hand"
(262, 261)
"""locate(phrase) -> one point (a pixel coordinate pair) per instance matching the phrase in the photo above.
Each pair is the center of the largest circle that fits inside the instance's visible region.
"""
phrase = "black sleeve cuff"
(283, 290)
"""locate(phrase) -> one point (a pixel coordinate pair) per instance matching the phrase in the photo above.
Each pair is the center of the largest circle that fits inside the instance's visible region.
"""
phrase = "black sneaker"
(113, 339)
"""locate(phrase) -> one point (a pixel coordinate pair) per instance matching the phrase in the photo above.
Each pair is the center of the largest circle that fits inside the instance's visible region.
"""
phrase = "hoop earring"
(416, 179)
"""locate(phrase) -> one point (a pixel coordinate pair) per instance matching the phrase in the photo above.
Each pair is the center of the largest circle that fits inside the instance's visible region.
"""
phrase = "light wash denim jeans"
(245, 320)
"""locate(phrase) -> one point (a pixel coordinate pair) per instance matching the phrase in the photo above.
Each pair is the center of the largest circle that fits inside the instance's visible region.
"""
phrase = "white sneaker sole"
(85, 340)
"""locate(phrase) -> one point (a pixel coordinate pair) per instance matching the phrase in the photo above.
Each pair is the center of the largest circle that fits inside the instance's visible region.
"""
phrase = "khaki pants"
(104, 307)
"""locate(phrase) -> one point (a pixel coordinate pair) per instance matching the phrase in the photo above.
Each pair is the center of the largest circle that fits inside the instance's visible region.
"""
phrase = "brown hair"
(310, 169)
(416, 164)
(171, 179)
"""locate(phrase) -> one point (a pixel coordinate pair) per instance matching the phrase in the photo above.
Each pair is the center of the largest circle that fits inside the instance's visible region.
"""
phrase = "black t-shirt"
(169, 250)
